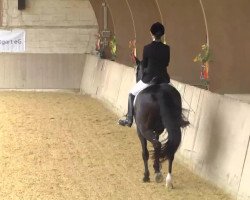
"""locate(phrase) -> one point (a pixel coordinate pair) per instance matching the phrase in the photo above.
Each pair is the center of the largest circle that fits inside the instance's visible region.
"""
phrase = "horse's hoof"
(169, 183)
(146, 179)
(169, 186)
(158, 177)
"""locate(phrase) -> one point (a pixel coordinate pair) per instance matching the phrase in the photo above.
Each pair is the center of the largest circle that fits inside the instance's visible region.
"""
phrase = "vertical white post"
(105, 16)
(205, 20)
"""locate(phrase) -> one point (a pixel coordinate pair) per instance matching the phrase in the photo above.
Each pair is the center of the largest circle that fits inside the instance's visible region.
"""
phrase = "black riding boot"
(129, 117)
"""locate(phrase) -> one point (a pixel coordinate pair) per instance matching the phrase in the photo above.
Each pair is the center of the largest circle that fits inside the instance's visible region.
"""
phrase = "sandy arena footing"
(68, 146)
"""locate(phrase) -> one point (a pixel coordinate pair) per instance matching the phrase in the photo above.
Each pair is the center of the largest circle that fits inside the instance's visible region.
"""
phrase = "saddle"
(156, 80)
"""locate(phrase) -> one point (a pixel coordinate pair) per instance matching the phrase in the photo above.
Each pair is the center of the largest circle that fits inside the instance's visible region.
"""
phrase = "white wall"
(108, 81)
(215, 145)
(41, 71)
(241, 97)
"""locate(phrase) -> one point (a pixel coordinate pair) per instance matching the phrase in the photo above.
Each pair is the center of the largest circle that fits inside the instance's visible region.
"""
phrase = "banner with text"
(12, 41)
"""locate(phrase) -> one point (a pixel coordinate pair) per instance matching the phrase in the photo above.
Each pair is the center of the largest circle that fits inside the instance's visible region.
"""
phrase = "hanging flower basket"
(204, 57)
(132, 47)
(99, 46)
(204, 71)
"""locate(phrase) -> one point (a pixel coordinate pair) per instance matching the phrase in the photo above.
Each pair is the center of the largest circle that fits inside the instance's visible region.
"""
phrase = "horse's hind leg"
(169, 183)
(150, 136)
(173, 145)
(157, 151)
(145, 156)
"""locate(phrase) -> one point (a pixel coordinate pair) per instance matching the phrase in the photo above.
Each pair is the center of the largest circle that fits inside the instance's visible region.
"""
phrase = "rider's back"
(156, 56)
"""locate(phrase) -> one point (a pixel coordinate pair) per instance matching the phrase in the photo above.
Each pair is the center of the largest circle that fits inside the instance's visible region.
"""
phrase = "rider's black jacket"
(156, 56)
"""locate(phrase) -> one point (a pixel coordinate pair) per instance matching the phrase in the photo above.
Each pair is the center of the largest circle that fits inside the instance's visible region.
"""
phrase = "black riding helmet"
(157, 29)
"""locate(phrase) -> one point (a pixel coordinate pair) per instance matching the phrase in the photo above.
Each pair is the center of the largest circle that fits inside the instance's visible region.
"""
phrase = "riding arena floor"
(56, 146)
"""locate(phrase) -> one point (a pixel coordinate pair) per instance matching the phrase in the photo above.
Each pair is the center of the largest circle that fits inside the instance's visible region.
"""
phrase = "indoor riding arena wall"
(215, 145)
(57, 35)
(41, 71)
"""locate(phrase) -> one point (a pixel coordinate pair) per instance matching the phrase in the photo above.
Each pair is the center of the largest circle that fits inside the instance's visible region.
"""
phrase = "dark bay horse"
(158, 107)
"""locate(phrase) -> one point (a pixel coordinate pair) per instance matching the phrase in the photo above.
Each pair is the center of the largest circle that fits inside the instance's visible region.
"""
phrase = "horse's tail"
(173, 120)
(183, 121)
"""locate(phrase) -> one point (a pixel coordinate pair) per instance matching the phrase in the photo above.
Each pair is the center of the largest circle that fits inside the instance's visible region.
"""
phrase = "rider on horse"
(156, 56)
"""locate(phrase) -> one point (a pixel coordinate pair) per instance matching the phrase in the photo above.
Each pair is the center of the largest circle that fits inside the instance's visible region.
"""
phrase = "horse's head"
(139, 70)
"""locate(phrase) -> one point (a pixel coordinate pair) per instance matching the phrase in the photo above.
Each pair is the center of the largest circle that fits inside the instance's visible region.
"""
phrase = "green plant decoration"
(113, 47)
(204, 57)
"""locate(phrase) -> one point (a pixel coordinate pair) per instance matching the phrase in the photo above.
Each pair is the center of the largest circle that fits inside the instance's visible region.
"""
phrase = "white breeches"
(138, 87)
